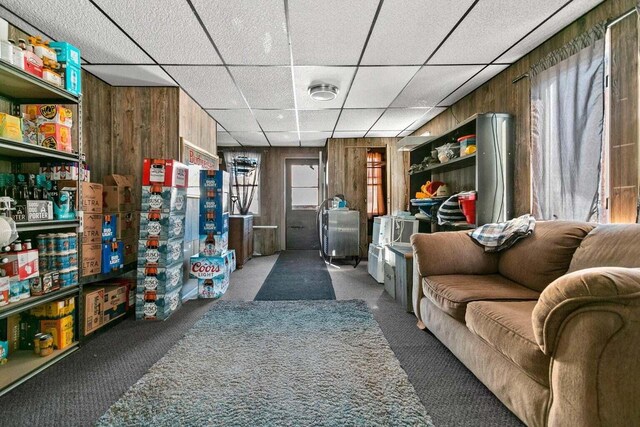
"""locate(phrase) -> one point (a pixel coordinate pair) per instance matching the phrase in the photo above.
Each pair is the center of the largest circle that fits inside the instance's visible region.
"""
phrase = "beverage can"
(73, 241)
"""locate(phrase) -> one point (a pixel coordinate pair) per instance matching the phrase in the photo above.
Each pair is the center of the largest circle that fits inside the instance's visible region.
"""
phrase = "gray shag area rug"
(275, 363)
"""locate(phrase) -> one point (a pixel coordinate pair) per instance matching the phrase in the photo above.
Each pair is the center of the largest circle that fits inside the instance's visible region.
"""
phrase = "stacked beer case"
(215, 262)
(160, 247)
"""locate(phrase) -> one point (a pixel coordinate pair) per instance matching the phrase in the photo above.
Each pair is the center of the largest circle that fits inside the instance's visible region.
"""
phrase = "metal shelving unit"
(19, 87)
(87, 280)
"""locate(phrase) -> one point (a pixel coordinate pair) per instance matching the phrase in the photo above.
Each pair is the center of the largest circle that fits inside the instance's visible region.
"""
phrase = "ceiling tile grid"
(224, 139)
(272, 51)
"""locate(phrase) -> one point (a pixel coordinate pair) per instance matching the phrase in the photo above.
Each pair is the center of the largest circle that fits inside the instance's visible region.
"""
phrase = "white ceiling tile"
(131, 75)
(265, 87)
(250, 138)
(224, 139)
(249, 32)
(21, 24)
(382, 134)
(376, 87)
(477, 81)
(83, 25)
(210, 86)
(235, 120)
(329, 32)
(219, 126)
(351, 119)
(314, 139)
(398, 119)
(350, 134)
(308, 76)
(170, 33)
(427, 117)
(567, 15)
(277, 120)
(432, 84)
(492, 27)
(283, 139)
(318, 120)
(424, 119)
(408, 31)
(405, 133)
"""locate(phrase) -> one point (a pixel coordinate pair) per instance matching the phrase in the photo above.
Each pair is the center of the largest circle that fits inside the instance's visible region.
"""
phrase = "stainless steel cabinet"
(342, 234)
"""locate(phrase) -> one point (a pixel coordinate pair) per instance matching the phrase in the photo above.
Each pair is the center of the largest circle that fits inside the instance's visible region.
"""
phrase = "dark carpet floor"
(80, 388)
(297, 275)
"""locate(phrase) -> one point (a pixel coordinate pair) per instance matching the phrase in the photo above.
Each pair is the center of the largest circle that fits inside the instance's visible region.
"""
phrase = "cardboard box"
(109, 227)
(91, 259)
(128, 224)
(115, 303)
(112, 257)
(10, 127)
(61, 329)
(130, 289)
(48, 113)
(213, 221)
(32, 210)
(55, 136)
(13, 333)
(165, 199)
(160, 252)
(213, 288)
(54, 309)
(159, 279)
(117, 193)
(67, 53)
(33, 63)
(91, 196)
(92, 228)
(29, 327)
(73, 80)
(212, 274)
(154, 306)
(161, 225)
(21, 265)
(93, 309)
(231, 257)
(130, 248)
(215, 179)
(214, 244)
(166, 172)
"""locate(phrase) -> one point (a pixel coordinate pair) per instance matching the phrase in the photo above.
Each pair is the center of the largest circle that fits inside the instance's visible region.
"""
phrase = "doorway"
(302, 198)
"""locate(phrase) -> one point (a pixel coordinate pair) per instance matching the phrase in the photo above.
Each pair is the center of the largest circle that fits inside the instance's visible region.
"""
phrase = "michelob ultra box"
(162, 280)
(166, 172)
(151, 305)
(215, 180)
(165, 199)
(161, 225)
(212, 274)
(214, 244)
(160, 252)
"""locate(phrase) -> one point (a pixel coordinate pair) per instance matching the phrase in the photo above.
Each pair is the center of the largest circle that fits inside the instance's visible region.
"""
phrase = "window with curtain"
(244, 177)
(567, 116)
(375, 185)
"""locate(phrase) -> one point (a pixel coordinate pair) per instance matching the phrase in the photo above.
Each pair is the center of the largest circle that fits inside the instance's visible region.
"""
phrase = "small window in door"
(304, 187)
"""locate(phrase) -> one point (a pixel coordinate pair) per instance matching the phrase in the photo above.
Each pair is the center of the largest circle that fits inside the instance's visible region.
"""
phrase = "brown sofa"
(550, 326)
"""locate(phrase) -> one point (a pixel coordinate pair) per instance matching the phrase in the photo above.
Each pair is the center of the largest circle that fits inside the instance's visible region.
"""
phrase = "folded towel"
(503, 235)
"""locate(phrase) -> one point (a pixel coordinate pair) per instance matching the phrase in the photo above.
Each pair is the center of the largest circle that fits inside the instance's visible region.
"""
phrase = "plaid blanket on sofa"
(500, 236)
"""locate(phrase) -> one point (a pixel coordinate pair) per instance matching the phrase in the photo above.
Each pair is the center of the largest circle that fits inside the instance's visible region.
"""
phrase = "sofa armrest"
(592, 288)
(452, 252)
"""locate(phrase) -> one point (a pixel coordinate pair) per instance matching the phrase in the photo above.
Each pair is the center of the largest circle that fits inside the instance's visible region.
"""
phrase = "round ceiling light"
(323, 92)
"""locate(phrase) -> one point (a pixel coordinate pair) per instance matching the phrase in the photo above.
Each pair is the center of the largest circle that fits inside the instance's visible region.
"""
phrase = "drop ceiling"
(248, 63)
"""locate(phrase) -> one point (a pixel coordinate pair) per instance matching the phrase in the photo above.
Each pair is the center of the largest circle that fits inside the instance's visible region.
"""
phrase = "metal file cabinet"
(403, 255)
(342, 235)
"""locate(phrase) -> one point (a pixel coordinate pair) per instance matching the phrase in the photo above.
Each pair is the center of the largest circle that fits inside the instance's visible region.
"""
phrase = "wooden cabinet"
(241, 237)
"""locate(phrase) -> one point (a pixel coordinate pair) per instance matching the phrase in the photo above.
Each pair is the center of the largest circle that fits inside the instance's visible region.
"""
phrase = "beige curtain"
(375, 188)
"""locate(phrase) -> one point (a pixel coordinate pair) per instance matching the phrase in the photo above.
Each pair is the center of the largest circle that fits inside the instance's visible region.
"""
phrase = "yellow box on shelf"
(55, 309)
(60, 329)
(10, 127)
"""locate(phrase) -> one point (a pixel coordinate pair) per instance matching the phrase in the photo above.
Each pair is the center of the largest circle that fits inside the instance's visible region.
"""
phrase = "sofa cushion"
(506, 326)
(544, 256)
(611, 245)
(453, 292)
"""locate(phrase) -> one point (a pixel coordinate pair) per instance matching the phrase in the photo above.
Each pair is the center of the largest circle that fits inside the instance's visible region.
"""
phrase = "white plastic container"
(18, 57)
(6, 51)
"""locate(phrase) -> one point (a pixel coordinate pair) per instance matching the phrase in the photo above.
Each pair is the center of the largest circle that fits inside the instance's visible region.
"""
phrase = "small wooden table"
(403, 275)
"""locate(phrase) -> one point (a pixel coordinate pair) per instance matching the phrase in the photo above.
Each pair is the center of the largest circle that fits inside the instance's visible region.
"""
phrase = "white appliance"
(375, 264)
(402, 229)
(382, 230)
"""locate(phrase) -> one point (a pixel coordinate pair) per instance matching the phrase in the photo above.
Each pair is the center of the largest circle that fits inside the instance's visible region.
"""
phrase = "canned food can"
(62, 260)
(43, 262)
(65, 277)
(15, 288)
(73, 275)
(25, 289)
(73, 258)
(73, 241)
(51, 242)
(41, 240)
(26, 245)
(61, 242)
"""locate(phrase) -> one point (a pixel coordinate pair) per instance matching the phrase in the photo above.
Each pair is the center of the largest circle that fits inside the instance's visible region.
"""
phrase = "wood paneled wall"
(272, 185)
(501, 95)
(347, 174)
(97, 124)
(196, 126)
